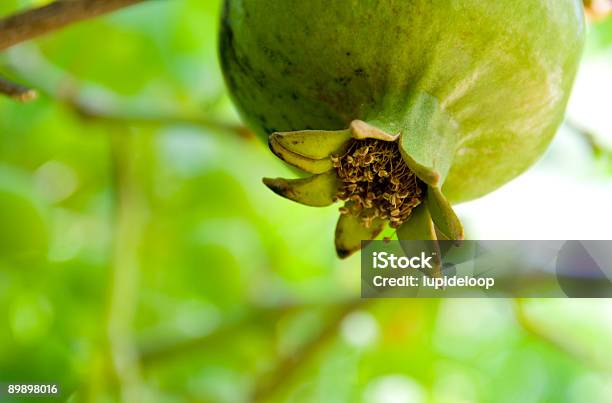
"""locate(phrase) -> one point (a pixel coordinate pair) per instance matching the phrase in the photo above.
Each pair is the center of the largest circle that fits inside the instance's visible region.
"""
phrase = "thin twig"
(64, 88)
(289, 366)
(16, 91)
(153, 119)
(597, 148)
(559, 343)
(131, 216)
(35, 22)
(160, 353)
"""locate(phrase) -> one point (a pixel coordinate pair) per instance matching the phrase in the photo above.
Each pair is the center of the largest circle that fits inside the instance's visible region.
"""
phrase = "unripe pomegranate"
(401, 107)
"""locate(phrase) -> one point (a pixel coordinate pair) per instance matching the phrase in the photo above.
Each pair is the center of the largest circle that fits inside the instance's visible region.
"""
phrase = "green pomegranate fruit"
(401, 107)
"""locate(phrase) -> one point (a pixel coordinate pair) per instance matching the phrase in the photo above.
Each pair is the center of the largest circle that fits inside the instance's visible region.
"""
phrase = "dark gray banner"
(477, 269)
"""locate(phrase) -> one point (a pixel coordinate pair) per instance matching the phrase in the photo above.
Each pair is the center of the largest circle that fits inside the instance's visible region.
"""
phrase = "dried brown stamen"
(376, 183)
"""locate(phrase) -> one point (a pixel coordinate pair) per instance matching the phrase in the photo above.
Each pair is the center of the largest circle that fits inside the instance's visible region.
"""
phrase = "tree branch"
(131, 213)
(161, 352)
(598, 149)
(105, 105)
(16, 91)
(86, 112)
(556, 341)
(287, 367)
(35, 22)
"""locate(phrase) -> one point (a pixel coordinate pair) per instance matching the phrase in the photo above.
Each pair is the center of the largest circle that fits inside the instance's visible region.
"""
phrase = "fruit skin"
(478, 88)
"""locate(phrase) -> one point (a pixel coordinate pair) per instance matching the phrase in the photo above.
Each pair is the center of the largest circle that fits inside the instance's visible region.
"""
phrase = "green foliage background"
(142, 260)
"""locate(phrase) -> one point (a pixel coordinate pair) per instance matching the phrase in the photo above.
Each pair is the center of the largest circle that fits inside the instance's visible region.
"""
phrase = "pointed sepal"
(314, 166)
(443, 215)
(310, 150)
(419, 226)
(350, 231)
(429, 139)
(361, 130)
(313, 144)
(316, 191)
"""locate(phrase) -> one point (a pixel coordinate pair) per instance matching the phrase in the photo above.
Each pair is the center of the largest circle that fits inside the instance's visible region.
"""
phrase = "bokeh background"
(142, 260)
